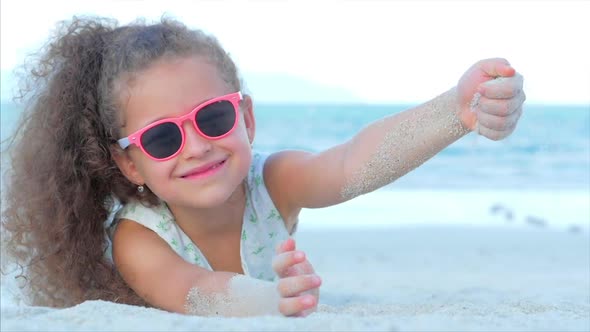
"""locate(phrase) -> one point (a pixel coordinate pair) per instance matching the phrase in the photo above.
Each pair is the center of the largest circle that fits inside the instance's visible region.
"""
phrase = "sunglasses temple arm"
(124, 142)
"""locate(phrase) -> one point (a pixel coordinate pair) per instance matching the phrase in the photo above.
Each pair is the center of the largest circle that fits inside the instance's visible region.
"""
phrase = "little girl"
(153, 118)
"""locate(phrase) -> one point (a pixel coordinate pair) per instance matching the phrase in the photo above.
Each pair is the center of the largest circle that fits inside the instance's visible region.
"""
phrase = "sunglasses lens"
(162, 141)
(216, 119)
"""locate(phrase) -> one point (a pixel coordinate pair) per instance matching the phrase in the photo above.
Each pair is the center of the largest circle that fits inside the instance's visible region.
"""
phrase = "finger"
(293, 286)
(297, 269)
(499, 123)
(282, 262)
(497, 67)
(494, 135)
(502, 87)
(500, 107)
(294, 305)
(304, 267)
(287, 245)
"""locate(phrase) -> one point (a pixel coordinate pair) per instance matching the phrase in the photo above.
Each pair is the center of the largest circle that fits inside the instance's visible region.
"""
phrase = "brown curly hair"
(62, 183)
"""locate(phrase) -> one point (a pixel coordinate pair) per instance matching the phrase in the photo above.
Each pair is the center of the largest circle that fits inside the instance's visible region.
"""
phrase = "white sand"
(419, 278)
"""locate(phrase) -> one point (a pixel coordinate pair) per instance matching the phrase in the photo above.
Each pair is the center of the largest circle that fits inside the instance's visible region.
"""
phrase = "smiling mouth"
(205, 171)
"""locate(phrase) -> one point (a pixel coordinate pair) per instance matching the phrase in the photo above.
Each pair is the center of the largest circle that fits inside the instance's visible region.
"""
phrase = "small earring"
(140, 189)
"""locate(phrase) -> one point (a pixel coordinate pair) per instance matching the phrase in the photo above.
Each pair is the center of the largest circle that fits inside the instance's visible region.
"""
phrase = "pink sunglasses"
(164, 139)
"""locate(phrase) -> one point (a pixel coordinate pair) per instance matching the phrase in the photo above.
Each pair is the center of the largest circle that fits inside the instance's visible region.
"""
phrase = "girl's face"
(206, 172)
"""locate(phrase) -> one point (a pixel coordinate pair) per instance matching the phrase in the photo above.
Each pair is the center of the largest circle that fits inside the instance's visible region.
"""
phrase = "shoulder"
(282, 167)
(286, 159)
(148, 264)
(136, 247)
(131, 239)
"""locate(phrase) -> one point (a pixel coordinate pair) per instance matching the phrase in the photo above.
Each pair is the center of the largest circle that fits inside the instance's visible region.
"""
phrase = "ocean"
(537, 177)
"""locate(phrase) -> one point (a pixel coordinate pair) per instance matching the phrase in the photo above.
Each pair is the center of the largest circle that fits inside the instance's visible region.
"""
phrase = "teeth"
(216, 165)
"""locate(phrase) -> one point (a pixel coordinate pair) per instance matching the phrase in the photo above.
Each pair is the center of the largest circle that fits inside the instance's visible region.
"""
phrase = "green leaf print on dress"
(257, 180)
(258, 250)
(166, 220)
(253, 219)
(192, 250)
(273, 215)
(164, 225)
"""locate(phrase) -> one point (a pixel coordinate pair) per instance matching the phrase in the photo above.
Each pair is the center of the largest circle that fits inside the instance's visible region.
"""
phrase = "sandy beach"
(448, 278)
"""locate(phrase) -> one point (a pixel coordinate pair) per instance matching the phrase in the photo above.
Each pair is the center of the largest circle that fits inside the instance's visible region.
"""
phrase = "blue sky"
(370, 51)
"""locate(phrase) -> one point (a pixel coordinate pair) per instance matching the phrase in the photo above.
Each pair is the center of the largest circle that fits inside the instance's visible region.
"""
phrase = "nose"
(195, 145)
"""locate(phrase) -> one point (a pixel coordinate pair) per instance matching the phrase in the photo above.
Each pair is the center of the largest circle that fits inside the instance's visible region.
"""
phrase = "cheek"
(239, 144)
(156, 173)
(239, 139)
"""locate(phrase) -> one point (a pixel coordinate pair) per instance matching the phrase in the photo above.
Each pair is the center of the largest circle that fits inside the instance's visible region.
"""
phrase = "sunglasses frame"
(135, 138)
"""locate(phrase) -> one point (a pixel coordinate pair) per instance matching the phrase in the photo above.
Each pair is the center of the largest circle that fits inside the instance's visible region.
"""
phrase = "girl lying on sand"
(152, 117)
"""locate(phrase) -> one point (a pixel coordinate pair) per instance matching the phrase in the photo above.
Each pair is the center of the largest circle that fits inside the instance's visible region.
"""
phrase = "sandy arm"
(393, 146)
(390, 148)
(377, 155)
(157, 274)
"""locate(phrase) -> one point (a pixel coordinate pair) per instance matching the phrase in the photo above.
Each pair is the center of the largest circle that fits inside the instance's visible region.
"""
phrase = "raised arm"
(391, 147)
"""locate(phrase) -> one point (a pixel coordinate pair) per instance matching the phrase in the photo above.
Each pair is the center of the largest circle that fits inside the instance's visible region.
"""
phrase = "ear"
(249, 118)
(126, 165)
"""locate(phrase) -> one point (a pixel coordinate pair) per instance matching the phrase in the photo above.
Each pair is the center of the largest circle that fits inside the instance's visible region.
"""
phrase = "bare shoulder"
(132, 241)
(300, 179)
(283, 171)
(284, 161)
(151, 268)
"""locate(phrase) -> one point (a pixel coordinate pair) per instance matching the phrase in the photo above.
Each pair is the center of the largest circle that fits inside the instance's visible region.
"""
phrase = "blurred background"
(320, 71)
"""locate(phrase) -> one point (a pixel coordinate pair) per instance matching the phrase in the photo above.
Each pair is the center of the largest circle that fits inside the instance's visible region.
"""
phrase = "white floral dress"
(262, 227)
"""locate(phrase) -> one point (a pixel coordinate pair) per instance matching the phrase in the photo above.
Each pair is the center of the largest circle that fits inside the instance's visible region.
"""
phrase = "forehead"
(169, 87)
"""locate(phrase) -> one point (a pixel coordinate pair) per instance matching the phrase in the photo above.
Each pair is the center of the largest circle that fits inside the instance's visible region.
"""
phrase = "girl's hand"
(298, 285)
(490, 98)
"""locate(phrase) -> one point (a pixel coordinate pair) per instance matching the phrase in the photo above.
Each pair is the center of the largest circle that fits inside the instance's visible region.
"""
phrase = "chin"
(211, 198)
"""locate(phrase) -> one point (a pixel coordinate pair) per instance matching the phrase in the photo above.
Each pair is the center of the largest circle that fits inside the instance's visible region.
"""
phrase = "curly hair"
(62, 183)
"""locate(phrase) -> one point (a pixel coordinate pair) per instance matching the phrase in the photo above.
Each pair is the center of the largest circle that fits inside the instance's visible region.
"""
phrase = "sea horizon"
(537, 177)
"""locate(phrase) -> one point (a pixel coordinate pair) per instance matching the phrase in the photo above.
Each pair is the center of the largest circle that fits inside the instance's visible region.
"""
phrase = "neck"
(218, 220)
